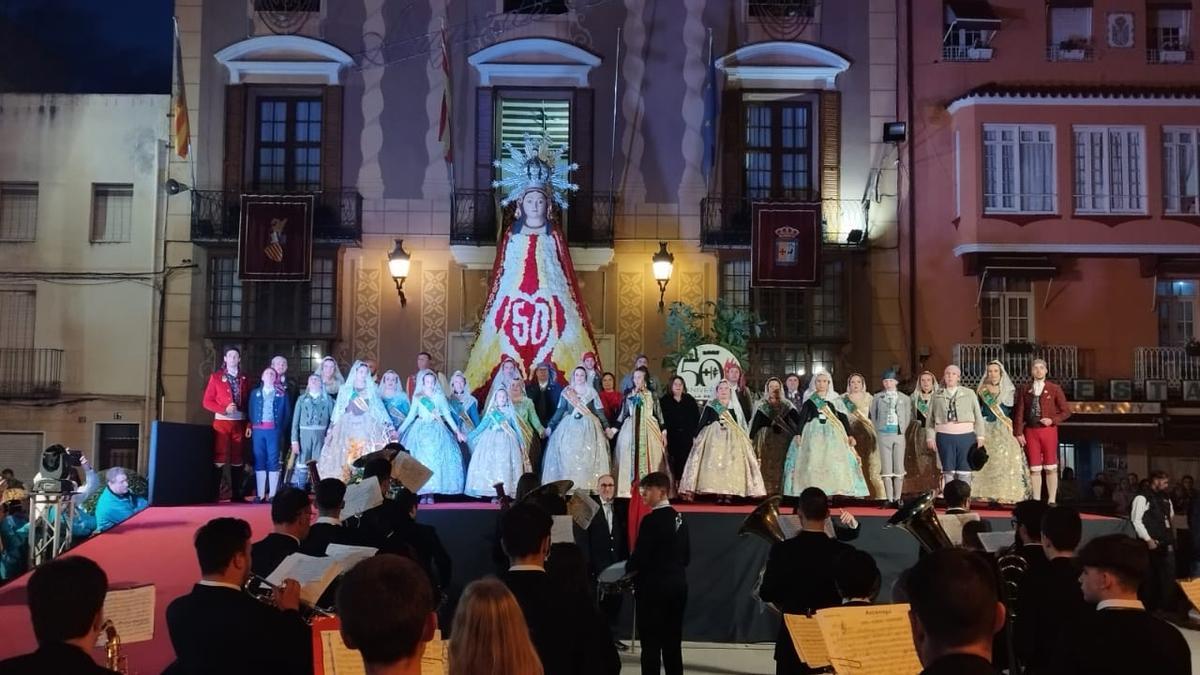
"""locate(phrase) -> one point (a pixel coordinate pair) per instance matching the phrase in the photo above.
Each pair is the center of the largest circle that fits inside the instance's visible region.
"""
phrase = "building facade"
(81, 211)
(1054, 207)
(345, 103)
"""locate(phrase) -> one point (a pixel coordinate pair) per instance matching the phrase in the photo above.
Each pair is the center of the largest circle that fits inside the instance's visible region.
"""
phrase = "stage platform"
(156, 547)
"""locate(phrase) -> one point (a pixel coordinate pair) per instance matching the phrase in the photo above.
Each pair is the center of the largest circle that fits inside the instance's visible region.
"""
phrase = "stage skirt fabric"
(577, 451)
(498, 455)
(722, 463)
(865, 442)
(820, 457)
(1005, 476)
(431, 443)
(654, 451)
(355, 434)
(921, 470)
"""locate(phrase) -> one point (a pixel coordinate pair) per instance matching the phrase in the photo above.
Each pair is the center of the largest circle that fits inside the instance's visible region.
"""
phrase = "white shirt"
(661, 505)
(1038, 386)
(526, 568)
(1117, 603)
(219, 584)
(608, 514)
(1137, 512)
(328, 520)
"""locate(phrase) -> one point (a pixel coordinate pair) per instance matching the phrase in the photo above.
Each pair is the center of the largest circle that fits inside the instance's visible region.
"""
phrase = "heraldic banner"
(785, 245)
(276, 238)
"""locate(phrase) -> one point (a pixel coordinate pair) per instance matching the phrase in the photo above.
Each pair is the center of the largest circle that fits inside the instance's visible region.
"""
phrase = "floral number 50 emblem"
(529, 321)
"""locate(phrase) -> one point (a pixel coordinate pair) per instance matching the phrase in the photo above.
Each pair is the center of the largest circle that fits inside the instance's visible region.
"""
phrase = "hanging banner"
(275, 239)
(785, 244)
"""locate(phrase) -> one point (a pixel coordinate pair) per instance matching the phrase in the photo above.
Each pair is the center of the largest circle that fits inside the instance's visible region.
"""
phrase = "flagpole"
(449, 156)
(612, 143)
(711, 73)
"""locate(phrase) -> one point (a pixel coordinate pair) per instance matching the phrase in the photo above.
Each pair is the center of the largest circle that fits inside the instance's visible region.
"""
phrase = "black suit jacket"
(220, 630)
(268, 552)
(58, 657)
(321, 535)
(1049, 600)
(1122, 641)
(661, 553)
(960, 664)
(555, 622)
(608, 547)
(798, 579)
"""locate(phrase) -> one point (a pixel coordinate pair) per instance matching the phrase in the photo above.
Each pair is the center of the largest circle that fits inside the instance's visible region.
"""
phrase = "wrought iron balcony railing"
(588, 223)
(30, 373)
(337, 216)
(725, 219)
(1173, 364)
(972, 359)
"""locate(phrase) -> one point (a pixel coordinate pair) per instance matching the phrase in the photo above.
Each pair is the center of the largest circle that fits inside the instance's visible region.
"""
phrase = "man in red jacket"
(225, 397)
(1040, 407)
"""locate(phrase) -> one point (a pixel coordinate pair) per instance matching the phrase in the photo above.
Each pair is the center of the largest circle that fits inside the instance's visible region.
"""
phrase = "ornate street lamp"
(664, 265)
(398, 264)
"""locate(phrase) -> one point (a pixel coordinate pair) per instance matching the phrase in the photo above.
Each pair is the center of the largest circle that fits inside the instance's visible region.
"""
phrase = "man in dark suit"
(551, 613)
(544, 392)
(1120, 636)
(218, 628)
(857, 577)
(1027, 523)
(1049, 599)
(290, 516)
(328, 528)
(608, 544)
(66, 608)
(799, 577)
(955, 612)
(659, 562)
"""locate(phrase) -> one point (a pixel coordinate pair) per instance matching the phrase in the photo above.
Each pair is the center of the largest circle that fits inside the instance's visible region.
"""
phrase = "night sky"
(86, 46)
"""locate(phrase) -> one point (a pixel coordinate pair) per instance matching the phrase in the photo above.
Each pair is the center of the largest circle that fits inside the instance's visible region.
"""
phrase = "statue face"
(533, 206)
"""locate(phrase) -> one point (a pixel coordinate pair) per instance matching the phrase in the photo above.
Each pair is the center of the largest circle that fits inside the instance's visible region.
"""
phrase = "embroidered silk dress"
(821, 455)
(578, 448)
(722, 460)
(640, 446)
(922, 471)
(772, 428)
(498, 453)
(858, 407)
(428, 433)
(1005, 476)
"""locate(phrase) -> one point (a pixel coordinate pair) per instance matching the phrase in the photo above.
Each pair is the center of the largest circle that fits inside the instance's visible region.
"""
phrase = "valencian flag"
(275, 240)
(444, 133)
(785, 244)
(181, 131)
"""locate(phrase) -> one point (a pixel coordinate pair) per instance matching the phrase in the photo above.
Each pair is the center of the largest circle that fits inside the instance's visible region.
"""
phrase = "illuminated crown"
(534, 167)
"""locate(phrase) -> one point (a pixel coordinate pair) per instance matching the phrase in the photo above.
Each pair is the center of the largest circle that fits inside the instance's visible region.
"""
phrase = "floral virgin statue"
(534, 312)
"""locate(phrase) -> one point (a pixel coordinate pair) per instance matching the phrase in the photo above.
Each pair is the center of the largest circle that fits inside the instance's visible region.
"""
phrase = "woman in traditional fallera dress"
(681, 419)
(742, 403)
(431, 434)
(1005, 476)
(641, 443)
(722, 460)
(395, 401)
(509, 372)
(331, 376)
(922, 466)
(462, 403)
(498, 450)
(527, 417)
(857, 401)
(359, 425)
(776, 421)
(823, 454)
(578, 447)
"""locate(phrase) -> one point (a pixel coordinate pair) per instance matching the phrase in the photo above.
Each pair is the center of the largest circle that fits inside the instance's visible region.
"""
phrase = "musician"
(799, 576)
(290, 516)
(1049, 600)
(225, 396)
(66, 608)
(955, 611)
(659, 561)
(1120, 636)
(551, 612)
(1152, 514)
(219, 628)
(386, 609)
(857, 578)
(1027, 521)
(608, 544)
(328, 528)
(958, 510)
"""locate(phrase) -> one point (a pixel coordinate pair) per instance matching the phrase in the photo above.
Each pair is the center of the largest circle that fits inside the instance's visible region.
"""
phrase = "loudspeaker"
(181, 463)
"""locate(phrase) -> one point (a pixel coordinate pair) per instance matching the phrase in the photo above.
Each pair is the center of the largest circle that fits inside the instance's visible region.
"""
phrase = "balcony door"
(777, 161)
(1176, 312)
(1006, 310)
(287, 143)
(18, 308)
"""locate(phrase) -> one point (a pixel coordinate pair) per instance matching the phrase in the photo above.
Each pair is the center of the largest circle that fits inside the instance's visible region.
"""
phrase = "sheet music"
(410, 472)
(875, 639)
(435, 661)
(349, 556)
(563, 531)
(360, 497)
(994, 541)
(582, 509)
(790, 525)
(1191, 588)
(337, 658)
(313, 573)
(807, 639)
(132, 612)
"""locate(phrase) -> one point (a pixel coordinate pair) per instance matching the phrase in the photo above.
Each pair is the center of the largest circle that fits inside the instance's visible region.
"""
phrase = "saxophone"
(113, 659)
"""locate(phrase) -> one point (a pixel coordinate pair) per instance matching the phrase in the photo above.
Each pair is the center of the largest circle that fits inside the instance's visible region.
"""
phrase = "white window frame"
(1003, 297)
(1175, 199)
(1084, 195)
(1017, 196)
(15, 188)
(115, 232)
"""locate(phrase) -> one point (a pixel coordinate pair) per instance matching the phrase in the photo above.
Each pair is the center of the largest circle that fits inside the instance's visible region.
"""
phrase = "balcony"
(588, 222)
(1069, 51)
(1167, 54)
(965, 53)
(1172, 364)
(972, 359)
(337, 216)
(725, 219)
(30, 373)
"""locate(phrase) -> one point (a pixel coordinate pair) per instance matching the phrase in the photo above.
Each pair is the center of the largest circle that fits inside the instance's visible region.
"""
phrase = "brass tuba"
(764, 521)
(917, 517)
(113, 658)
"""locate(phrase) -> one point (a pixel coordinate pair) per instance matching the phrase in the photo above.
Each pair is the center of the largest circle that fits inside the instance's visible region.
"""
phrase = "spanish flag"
(181, 136)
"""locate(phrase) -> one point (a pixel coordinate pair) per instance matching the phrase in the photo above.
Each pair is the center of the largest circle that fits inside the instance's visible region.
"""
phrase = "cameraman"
(60, 463)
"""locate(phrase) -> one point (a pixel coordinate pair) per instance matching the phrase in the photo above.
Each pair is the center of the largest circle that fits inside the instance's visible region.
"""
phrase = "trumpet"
(113, 658)
(264, 591)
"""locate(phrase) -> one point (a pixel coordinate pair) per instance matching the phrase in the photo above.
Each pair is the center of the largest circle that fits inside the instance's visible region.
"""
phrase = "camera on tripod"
(56, 463)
